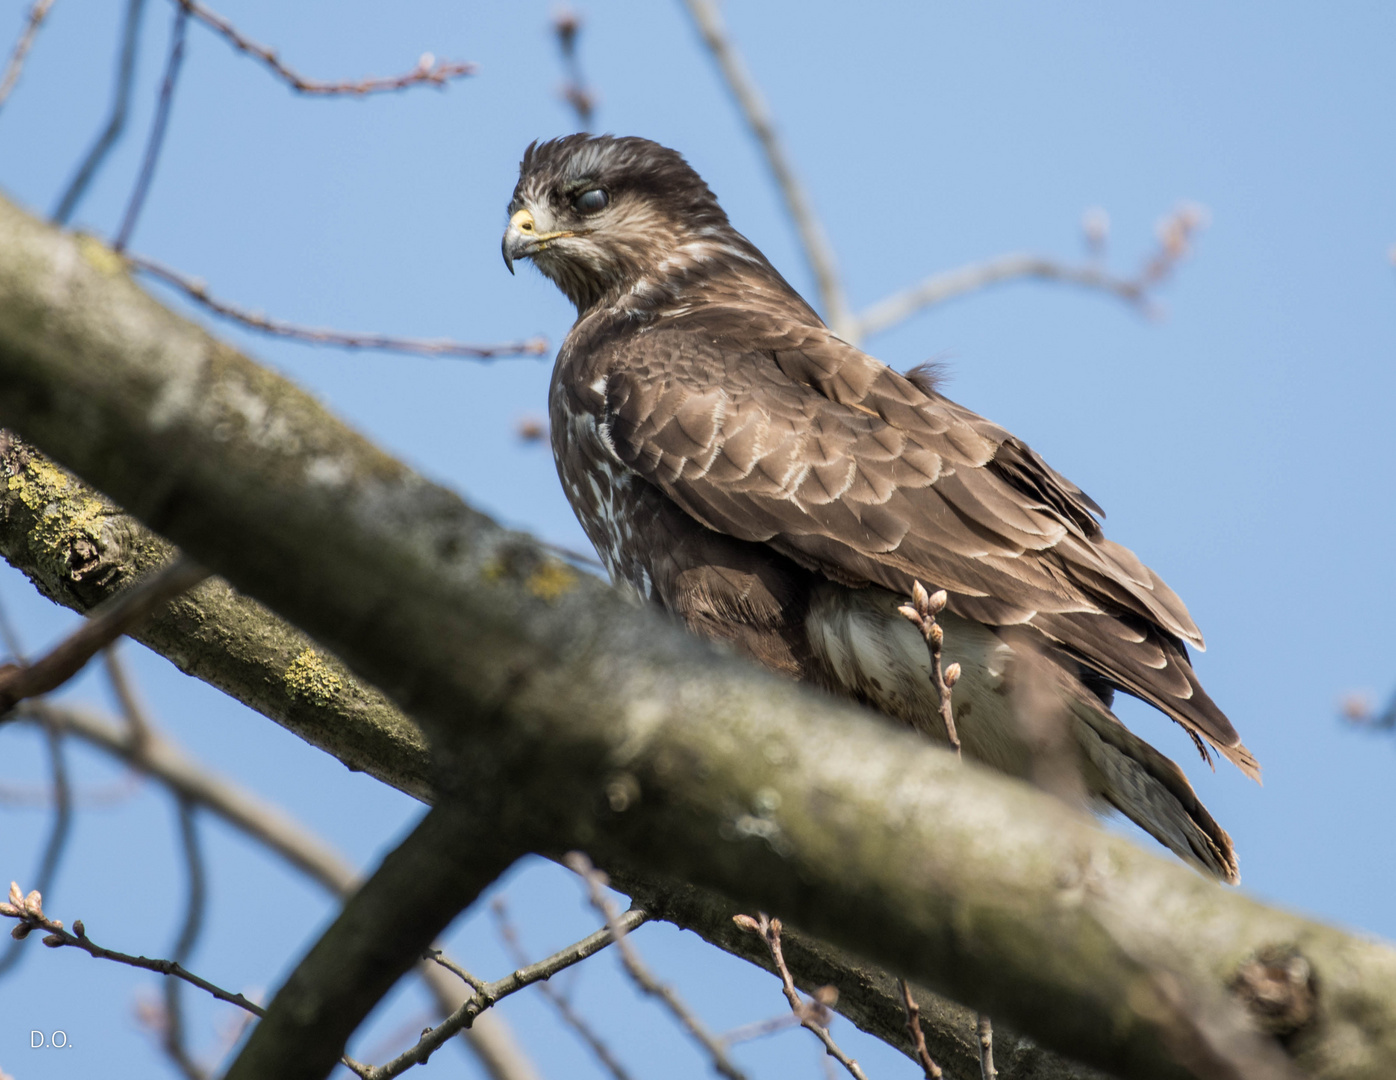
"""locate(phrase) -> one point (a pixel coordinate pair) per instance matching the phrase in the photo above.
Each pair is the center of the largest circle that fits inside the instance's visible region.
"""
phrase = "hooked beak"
(522, 240)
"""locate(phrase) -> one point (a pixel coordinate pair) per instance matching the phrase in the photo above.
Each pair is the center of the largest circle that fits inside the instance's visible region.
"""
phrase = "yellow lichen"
(310, 677)
(551, 580)
(100, 257)
(64, 513)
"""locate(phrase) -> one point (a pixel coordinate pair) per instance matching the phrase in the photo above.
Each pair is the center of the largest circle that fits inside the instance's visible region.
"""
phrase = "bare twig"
(116, 119)
(567, 26)
(1175, 234)
(37, 14)
(813, 1015)
(918, 1037)
(559, 1000)
(174, 1034)
(157, 130)
(921, 613)
(984, 1029)
(59, 832)
(641, 975)
(114, 618)
(196, 290)
(428, 70)
(818, 251)
(131, 708)
(490, 993)
(28, 909)
(9, 636)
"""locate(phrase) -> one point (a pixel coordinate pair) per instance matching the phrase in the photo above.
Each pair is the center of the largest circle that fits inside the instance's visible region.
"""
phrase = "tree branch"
(443, 865)
(547, 692)
(198, 292)
(116, 118)
(37, 14)
(428, 71)
(819, 253)
(124, 612)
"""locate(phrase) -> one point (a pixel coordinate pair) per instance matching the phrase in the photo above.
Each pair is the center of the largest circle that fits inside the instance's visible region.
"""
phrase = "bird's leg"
(921, 613)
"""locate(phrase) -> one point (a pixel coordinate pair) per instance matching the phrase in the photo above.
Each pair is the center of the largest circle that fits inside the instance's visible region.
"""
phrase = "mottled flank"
(736, 462)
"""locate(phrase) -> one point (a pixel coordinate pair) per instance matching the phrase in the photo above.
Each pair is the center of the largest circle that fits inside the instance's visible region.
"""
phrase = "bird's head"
(598, 214)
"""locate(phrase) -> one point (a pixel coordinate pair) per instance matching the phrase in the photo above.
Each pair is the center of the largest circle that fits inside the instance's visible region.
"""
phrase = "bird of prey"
(736, 462)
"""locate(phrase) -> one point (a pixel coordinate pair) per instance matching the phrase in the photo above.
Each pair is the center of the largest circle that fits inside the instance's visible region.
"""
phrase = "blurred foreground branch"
(547, 698)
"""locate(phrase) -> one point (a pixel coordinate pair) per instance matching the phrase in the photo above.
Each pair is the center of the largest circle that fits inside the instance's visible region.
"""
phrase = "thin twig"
(123, 612)
(59, 831)
(984, 1028)
(757, 114)
(157, 131)
(428, 71)
(131, 708)
(596, 883)
(116, 119)
(28, 909)
(436, 956)
(921, 613)
(567, 26)
(149, 752)
(559, 1000)
(493, 992)
(918, 1037)
(174, 1034)
(1175, 232)
(37, 14)
(196, 290)
(813, 1015)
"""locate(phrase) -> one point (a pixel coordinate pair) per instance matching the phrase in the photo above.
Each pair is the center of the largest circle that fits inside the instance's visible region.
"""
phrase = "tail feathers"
(1152, 792)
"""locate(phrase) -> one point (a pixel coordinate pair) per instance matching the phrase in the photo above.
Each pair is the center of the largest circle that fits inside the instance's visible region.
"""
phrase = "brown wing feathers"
(872, 479)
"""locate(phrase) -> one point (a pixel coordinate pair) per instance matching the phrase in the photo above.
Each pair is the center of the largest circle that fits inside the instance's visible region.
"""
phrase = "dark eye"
(592, 201)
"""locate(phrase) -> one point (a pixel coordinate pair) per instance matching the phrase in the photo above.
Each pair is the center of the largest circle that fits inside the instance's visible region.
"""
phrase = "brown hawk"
(735, 461)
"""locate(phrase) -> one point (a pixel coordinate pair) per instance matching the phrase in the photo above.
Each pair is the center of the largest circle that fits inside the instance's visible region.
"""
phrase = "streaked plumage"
(777, 488)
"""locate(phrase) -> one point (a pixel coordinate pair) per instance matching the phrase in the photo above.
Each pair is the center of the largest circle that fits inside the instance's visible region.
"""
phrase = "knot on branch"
(1278, 988)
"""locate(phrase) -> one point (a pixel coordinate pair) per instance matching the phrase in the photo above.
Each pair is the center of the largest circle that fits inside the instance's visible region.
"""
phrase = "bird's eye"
(591, 201)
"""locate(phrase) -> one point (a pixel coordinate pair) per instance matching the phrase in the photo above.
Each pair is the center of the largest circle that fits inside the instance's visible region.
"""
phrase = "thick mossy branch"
(79, 549)
(614, 732)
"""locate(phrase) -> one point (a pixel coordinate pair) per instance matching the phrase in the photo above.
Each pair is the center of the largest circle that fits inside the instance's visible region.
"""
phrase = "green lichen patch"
(309, 677)
(551, 580)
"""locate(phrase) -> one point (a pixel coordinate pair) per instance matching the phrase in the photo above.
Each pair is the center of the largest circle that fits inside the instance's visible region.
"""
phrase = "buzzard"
(736, 462)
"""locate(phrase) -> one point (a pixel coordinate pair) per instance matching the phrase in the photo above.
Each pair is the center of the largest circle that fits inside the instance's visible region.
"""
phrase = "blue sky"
(1239, 444)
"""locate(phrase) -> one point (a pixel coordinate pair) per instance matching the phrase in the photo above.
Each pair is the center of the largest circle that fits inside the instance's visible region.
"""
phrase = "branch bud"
(938, 600)
(936, 635)
(20, 932)
(920, 598)
(53, 941)
(952, 675)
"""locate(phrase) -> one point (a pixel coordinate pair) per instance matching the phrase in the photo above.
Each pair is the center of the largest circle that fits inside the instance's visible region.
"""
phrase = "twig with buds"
(29, 910)
(921, 613)
(814, 1015)
(918, 1037)
(984, 1028)
(596, 883)
(559, 1000)
(567, 25)
(487, 994)
(428, 69)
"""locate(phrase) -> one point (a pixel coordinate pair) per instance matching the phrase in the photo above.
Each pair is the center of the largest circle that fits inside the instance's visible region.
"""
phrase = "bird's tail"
(1152, 792)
